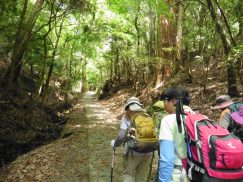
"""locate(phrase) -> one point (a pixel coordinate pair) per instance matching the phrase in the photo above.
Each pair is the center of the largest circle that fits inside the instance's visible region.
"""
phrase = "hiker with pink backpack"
(208, 152)
(172, 146)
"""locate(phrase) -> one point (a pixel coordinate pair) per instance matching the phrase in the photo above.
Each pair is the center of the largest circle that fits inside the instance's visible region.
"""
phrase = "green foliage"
(111, 35)
(9, 12)
(237, 53)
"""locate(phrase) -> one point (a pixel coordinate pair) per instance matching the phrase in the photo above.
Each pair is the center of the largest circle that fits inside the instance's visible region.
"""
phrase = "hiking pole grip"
(112, 163)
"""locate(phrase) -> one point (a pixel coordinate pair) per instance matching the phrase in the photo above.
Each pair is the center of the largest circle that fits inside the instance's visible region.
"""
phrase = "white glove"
(113, 143)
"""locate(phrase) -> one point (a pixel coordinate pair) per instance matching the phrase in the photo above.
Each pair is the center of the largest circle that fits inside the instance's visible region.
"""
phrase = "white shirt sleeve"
(125, 123)
(166, 129)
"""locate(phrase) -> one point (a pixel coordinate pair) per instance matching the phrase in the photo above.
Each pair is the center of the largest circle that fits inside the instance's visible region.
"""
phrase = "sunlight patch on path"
(102, 126)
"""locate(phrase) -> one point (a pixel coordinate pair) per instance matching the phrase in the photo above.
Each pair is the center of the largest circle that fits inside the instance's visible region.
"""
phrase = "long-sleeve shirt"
(224, 119)
(121, 137)
(172, 147)
(166, 161)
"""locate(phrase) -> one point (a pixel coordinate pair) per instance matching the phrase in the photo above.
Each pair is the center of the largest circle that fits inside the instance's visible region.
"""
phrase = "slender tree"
(179, 25)
(228, 43)
(23, 34)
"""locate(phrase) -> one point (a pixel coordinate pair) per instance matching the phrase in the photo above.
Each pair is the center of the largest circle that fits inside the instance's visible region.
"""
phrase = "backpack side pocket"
(225, 152)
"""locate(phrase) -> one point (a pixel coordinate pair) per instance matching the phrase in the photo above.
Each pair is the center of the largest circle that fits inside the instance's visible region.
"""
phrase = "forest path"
(83, 154)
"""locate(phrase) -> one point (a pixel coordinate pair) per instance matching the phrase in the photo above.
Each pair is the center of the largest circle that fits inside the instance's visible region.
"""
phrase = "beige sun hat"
(136, 108)
(133, 100)
(222, 101)
(134, 104)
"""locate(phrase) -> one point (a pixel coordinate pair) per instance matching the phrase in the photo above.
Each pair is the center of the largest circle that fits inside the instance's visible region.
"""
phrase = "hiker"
(172, 144)
(227, 106)
(157, 111)
(238, 118)
(136, 165)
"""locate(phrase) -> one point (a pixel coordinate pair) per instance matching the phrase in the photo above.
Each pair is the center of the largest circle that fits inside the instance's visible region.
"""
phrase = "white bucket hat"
(134, 104)
(132, 100)
(136, 108)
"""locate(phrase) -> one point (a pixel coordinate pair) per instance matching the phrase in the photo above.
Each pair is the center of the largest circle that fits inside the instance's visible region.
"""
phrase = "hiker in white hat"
(136, 165)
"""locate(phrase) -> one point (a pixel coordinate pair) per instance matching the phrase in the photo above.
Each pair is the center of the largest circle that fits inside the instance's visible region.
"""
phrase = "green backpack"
(157, 112)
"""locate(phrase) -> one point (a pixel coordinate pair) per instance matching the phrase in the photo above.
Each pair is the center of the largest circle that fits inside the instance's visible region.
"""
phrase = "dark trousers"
(207, 178)
(199, 177)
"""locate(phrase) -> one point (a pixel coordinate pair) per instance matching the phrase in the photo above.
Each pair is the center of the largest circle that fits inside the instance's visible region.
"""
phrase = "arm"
(166, 161)
(120, 139)
(224, 119)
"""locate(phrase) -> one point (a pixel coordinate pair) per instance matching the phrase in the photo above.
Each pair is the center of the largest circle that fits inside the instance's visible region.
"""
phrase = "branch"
(52, 19)
(226, 22)
(188, 1)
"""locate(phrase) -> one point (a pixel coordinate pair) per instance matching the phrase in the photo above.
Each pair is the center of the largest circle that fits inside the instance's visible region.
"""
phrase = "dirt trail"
(102, 128)
(83, 154)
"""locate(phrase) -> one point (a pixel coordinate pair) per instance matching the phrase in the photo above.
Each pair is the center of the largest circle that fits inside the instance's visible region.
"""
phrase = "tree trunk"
(227, 44)
(239, 39)
(118, 75)
(240, 20)
(166, 41)
(136, 24)
(84, 77)
(23, 35)
(45, 88)
(178, 62)
(39, 89)
(116, 60)
(111, 68)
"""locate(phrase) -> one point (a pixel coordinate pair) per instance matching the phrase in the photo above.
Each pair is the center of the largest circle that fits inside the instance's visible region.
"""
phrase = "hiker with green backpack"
(138, 136)
(227, 106)
(157, 112)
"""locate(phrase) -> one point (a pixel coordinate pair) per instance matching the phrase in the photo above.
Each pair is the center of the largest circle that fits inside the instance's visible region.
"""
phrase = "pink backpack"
(212, 148)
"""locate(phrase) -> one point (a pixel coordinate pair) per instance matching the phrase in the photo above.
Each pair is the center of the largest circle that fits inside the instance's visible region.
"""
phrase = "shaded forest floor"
(82, 154)
(83, 151)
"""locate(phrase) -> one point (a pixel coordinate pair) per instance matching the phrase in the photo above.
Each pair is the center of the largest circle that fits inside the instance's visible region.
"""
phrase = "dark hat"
(173, 92)
(222, 101)
(238, 116)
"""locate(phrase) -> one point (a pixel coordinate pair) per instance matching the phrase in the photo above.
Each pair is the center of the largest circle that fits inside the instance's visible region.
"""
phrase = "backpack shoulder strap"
(235, 106)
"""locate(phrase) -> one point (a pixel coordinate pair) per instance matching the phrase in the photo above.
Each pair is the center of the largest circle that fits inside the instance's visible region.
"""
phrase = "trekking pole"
(151, 166)
(157, 172)
(112, 163)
